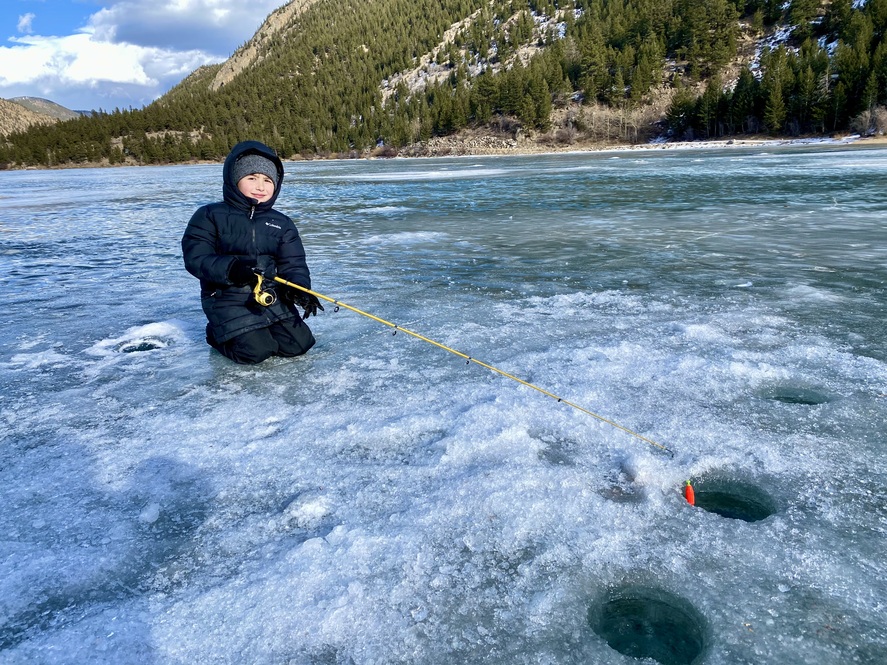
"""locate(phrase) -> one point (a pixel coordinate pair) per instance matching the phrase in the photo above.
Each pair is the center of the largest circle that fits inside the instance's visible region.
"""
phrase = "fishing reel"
(264, 295)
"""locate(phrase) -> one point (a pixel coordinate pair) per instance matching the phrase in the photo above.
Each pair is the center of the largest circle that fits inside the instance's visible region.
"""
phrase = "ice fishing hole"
(796, 395)
(648, 622)
(141, 345)
(733, 498)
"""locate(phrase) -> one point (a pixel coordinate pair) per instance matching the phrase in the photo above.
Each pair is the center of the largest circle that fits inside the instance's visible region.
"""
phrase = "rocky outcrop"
(467, 145)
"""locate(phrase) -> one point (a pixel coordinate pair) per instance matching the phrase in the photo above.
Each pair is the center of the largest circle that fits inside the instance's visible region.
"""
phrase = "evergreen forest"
(345, 77)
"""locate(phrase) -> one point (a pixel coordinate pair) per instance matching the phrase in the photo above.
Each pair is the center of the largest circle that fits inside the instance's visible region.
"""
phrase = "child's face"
(256, 186)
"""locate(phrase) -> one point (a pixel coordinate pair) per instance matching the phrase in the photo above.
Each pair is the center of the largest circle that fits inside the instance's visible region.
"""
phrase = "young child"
(224, 245)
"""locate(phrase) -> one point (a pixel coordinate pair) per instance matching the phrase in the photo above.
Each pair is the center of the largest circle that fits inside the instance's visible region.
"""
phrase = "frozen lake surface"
(378, 501)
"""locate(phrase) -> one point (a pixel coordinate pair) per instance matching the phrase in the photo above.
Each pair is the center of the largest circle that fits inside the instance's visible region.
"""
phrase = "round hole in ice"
(141, 345)
(648, 622)
(733, 498)
(797, 395)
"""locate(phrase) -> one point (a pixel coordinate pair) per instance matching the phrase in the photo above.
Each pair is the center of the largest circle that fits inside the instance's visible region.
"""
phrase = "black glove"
(242, 273)
(306, 301)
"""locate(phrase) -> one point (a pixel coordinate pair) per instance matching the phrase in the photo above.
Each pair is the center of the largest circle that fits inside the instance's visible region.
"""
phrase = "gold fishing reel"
(265, 297)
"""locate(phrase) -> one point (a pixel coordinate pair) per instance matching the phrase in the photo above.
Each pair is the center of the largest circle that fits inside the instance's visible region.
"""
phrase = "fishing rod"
(468, 359)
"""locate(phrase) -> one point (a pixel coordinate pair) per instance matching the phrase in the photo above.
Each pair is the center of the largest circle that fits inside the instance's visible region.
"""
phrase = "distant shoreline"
(494, 146)
(450, 147)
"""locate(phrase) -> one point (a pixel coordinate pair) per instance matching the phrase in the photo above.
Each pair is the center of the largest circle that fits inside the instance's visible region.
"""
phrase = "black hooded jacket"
(240, 228)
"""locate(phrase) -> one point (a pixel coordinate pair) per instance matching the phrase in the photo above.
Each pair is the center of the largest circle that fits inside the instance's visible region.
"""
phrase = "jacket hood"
(229, 188)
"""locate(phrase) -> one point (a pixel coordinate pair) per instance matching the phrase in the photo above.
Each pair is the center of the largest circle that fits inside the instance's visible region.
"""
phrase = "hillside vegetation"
(357, 77)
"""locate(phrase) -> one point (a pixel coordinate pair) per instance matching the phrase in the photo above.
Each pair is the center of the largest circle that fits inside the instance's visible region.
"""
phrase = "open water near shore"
(380, 501)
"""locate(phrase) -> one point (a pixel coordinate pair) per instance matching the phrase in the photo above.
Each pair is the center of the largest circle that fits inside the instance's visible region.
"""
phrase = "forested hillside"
(349, 76)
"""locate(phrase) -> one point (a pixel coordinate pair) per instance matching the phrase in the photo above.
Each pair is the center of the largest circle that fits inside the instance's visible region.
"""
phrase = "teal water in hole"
(651, 624)
(735, 499)
(733, 505)
(800, 396)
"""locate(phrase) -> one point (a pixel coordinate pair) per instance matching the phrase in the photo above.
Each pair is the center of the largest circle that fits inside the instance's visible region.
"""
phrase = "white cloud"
(24, 23)
(50, 64)
(129, 53)
(214, 26)
(74, 59)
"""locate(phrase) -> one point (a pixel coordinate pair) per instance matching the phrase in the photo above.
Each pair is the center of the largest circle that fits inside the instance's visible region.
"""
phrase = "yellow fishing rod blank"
(470, 359)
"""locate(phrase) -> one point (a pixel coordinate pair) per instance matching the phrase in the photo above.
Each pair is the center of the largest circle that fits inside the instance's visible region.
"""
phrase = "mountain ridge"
(19, 113)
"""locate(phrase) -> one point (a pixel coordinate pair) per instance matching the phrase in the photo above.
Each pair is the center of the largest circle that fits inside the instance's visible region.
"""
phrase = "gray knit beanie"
(249, 164)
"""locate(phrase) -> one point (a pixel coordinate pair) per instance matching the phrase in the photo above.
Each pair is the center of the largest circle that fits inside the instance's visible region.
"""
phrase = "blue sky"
(92, 54)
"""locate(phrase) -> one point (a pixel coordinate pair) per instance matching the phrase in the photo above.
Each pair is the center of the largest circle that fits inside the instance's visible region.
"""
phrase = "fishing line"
(468, 359)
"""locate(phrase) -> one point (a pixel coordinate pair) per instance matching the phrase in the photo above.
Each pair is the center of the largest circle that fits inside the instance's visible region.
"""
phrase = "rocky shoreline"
(464, 146)
(496, 145)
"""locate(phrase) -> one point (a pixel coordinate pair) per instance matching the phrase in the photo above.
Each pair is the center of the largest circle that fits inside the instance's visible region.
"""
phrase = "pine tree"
(801, 14)
(774, 111)
(679, 115)
(708, 107)
(592, 80)
(744, 102)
